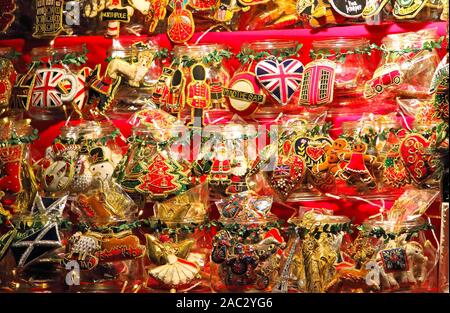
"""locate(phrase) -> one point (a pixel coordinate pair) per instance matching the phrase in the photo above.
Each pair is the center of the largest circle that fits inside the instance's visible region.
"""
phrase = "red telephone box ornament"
(318, 82)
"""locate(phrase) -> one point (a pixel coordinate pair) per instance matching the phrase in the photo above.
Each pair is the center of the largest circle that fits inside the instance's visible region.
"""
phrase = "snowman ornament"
(102, 164)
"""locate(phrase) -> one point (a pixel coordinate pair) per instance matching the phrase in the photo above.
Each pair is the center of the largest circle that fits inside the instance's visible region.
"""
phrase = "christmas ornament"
(156, 12)
(11, 168)
(81, 94)
(48, 206)
(395, 173)
(180, 24)
(349, 8)
(161, 91)
(21, 92)
(281, 80)
(356, 170)
(245, 206)
(176, 97)
(202, 5)
(287, 173)
(7, 80)
(101, 91)
(101, 163)
(114, 13)
(373, 8)
(408, 8)
(439, 86)
(198, 94)
(217, 98)
(162, 177)
(47, 90)
(49, 19)
(244, 94)
(318, 82)
(36, 245)
(82, 177)
(312, 150)
(385, 76)
(225, 10)
(6, 240)
(160, 252)
(414, 154)
(7, 16)
(94, 248)
(134, 71)
(187, 206)
(175, 272)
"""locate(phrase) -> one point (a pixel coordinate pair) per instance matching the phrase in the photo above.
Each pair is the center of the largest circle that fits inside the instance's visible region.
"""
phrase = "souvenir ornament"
(46, 206)
(439, 86)
(408, 8)
(7, 80)
(225, 10)
(7, 16)
(48, 91)
(288, 172)
(356, 170)
(93, 248)
(202, 5)
(101, 163)
(162, 177)
(414, 154)
(312, 150)
(36, 245)
(349, 8)
(198, 94)
(133, 71)
(156, 12)
(244, 94)
(22, 88)
(318, 82)
(180, 24)
(175, 267)
(281, 80)
(217, 98)
(158, 252)
(49, 19)
(161, 90)
(11, 168)
(114, 13)
(176, 96)
(387, 75)
(321, 14)
(373, 8)
(6, 240)
(101, 92)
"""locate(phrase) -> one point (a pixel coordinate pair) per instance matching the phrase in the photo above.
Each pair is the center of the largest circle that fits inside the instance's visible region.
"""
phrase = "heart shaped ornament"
(281, 80)
(287, 174)
(312, 150)
(414, 154)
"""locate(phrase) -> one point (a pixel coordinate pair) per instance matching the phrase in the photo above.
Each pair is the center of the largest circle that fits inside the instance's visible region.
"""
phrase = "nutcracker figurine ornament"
(198, 94)
(161, 91)
(176, 94)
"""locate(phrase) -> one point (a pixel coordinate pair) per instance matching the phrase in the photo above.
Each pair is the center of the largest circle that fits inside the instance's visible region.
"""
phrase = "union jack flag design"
(282, 171)
(281, 80)
(46, 91)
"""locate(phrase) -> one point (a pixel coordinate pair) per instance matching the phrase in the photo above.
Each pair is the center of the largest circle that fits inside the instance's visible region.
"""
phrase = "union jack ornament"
(281, 80)
(50, 89)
